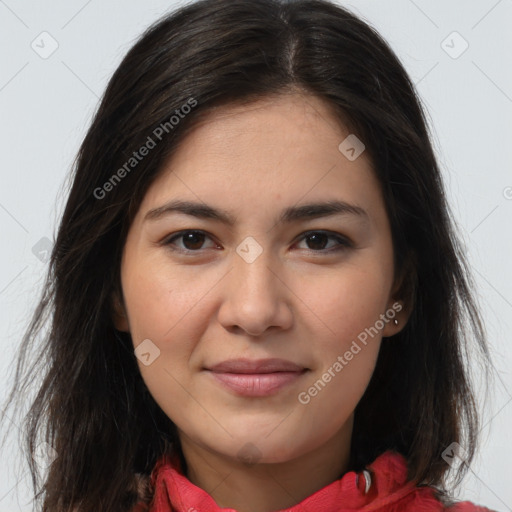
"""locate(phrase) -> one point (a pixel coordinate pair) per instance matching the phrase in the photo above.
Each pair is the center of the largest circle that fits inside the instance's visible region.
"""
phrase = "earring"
(395, 321)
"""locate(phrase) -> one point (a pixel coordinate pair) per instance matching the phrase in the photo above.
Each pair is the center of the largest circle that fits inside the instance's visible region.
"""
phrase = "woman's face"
(279, 280)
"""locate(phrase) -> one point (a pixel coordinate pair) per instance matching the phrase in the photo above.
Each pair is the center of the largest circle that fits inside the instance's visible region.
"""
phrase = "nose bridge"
(254, 266)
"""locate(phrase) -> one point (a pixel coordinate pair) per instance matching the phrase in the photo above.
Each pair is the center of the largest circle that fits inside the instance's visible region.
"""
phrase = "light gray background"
(46, 106)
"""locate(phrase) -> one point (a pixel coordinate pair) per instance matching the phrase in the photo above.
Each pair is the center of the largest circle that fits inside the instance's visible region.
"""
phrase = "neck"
(266, 487)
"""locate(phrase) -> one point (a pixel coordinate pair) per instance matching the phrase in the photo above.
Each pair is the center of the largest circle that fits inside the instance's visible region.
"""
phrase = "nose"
(255, 296)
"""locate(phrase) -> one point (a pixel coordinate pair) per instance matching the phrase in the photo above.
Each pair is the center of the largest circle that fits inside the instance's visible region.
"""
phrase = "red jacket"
(380, 488)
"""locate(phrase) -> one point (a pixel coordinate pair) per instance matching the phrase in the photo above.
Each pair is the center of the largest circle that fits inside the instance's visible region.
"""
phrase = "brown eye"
(317, 241)
(191, 240)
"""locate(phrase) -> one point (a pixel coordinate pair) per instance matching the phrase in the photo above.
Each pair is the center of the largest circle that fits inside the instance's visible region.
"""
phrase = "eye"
(193, 240)
(316, 240)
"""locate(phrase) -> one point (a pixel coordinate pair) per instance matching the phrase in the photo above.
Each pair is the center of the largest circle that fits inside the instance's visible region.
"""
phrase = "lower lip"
(260, 384)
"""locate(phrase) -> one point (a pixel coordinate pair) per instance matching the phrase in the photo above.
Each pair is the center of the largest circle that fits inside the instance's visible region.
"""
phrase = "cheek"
(167, 308)
(164, 309)
(350, 302)
(346, 351)
(159, 302)
(349, 305)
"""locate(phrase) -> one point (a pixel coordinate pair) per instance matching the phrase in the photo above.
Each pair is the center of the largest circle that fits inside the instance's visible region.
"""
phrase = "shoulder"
(467, 506)
(450, 504)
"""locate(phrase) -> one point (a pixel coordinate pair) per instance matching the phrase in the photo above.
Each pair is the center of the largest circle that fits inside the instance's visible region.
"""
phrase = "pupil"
(316, 238)
(191, 238)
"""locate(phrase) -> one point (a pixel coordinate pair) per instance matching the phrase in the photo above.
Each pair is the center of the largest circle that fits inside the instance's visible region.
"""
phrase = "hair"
(92, 405)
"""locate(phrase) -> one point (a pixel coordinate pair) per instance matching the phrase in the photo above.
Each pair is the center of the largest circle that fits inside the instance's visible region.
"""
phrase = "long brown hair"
(93, 407)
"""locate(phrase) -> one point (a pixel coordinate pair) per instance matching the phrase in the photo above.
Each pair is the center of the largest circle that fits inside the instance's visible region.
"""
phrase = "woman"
(206, 351)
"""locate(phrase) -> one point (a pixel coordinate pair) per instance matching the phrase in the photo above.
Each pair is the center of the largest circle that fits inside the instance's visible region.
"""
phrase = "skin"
(298, 300)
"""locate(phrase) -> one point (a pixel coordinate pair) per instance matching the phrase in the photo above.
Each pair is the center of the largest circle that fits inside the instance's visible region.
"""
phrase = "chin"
(258, 449)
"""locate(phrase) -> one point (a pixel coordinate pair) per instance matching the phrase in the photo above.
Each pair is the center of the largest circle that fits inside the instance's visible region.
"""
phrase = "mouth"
(256, 378)
(258, 366)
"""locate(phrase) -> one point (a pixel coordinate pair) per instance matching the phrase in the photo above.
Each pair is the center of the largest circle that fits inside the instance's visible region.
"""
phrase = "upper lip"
(256, 366)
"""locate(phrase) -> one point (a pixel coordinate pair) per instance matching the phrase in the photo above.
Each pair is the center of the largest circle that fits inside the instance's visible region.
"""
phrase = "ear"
(118, 312)
(402, 298)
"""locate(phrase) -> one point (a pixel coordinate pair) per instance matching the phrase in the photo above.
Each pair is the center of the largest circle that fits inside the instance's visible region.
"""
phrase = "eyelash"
(344, 243)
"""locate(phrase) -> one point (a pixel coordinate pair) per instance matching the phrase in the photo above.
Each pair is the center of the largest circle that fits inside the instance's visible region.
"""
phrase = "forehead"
(286, 118)
(285, 148)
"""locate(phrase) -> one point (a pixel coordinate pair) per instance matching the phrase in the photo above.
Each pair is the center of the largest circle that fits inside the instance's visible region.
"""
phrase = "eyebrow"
(288, 215)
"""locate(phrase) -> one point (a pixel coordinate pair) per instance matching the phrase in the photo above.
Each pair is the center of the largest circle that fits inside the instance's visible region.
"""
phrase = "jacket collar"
(383, 483)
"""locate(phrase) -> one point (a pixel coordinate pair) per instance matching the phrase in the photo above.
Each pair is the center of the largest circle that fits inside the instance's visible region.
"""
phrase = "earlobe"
(394, 322)
(398, 314)
(401, 302)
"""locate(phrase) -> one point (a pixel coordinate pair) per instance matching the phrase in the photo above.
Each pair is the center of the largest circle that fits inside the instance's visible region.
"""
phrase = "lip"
(256, 366)
(256, 378)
